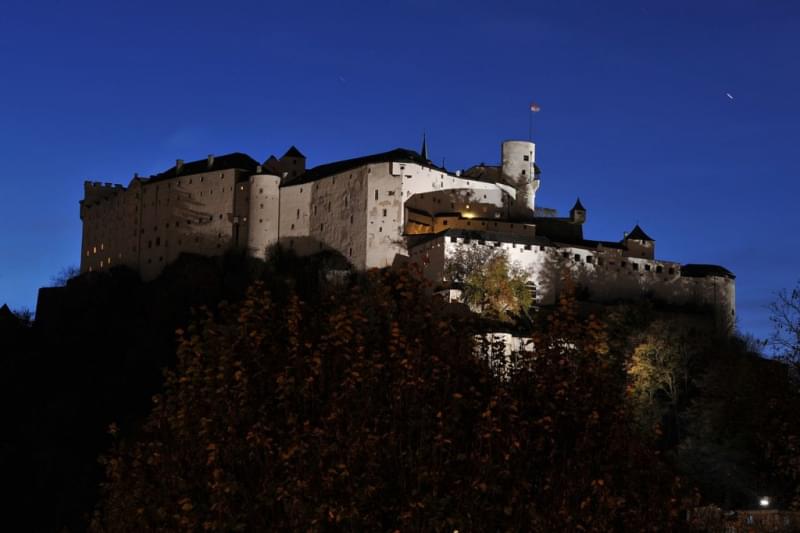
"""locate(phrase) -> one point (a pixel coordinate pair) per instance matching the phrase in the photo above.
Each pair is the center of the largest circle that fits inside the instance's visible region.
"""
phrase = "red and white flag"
(535, 107)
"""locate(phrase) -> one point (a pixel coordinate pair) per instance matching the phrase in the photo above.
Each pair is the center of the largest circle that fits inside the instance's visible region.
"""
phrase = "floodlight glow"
(764, 502)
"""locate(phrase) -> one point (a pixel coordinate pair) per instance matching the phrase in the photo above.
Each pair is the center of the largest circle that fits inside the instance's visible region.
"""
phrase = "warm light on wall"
(468, 215)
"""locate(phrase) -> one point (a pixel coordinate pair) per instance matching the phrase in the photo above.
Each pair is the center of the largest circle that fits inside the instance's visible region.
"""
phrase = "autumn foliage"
(370, 411)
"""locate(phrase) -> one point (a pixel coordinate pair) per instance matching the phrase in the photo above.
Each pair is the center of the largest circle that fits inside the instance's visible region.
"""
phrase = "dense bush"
(368, 411)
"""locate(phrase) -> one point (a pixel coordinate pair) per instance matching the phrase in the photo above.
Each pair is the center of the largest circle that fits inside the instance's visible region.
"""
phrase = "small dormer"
(639, 244)
(294, 162)
(578, 213)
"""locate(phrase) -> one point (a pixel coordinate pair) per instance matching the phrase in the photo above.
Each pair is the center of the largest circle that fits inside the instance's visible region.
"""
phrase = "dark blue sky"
(635, 118)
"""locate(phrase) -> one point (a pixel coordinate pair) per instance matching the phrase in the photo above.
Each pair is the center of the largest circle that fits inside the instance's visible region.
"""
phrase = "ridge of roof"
(403, 155)
(223, 162)
(693, 270)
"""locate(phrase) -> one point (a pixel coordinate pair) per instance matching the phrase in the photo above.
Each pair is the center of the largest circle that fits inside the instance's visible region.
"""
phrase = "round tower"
(262, 215)
(519, 171)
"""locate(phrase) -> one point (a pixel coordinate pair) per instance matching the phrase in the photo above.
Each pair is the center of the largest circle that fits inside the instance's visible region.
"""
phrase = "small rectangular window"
(589, 259)
(376, 194)
(671, 270)
(526, 158)
(635, 266)
(384, 212)
(647, 268)
(659, 269)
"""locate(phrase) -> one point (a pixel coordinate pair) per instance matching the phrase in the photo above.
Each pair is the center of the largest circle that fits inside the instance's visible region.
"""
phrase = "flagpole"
(530, 124)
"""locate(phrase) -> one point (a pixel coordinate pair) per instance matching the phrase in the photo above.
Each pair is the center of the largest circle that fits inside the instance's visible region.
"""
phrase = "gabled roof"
(638, 234)
(579, 206)
(701, 271)
(223, 162)
(293, 152)
(401, 155)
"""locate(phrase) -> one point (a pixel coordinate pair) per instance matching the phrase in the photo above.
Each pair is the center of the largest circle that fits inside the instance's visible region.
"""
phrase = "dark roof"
(638, 234)
(402, 155)
(701, 271)
(293, 152)
(605, 244)
(578, 206)
(559, 229)
(222, 162)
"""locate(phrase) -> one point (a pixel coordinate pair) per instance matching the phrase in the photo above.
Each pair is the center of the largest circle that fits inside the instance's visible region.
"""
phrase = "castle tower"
(294, 162)
(519, 171)
(639, 243)
(578, 212)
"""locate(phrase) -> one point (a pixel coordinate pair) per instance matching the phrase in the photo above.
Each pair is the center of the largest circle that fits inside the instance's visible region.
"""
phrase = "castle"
(376, 210)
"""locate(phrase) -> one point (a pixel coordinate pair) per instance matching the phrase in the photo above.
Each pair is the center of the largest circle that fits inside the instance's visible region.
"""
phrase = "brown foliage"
(370, 412)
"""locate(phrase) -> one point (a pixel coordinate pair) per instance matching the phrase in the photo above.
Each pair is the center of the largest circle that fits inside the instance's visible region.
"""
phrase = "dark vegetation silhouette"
(298, 399)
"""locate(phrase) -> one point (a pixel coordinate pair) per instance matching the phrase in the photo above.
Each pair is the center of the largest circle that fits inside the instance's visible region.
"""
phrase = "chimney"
(178, 165)
(210, 160)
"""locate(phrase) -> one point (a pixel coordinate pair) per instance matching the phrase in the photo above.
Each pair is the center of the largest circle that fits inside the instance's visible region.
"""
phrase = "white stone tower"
(519, 171)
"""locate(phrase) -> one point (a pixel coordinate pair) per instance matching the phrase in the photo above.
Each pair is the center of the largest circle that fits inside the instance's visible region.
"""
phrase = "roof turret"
(638, 234)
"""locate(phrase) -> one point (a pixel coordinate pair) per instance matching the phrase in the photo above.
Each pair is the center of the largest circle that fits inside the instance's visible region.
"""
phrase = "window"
(659, 269)
(589, 259)
(577, 257)
(647, 268)
(384, 212)
(321, 227)
(526, 158)
(564, 255)
(260, 191)
(351, 219)
(376, 194)
(671, 270)
(444, 222)
(298, 213)
(292, 226)
(158, 241)
(149, 244)
(380, 230)
(635, 266)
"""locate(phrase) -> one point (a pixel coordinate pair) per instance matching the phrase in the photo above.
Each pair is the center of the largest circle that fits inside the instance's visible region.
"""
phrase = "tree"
(64, 275)
(659, 371)
(491, 284)
(785, 318)
(369, 412)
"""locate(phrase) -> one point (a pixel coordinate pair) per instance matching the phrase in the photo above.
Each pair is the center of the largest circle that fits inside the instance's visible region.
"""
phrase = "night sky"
(681, 116)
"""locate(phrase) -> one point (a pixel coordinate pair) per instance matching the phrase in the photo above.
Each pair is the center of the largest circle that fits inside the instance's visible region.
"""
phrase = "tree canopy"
(368, 411)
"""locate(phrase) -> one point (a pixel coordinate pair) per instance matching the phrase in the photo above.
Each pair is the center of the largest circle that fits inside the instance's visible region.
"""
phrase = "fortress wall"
(430, 258)
(262, 218)
(108, 213)
(192, 213)
(338, 214)
(384, 220)
(606, 274)
(295, 217)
